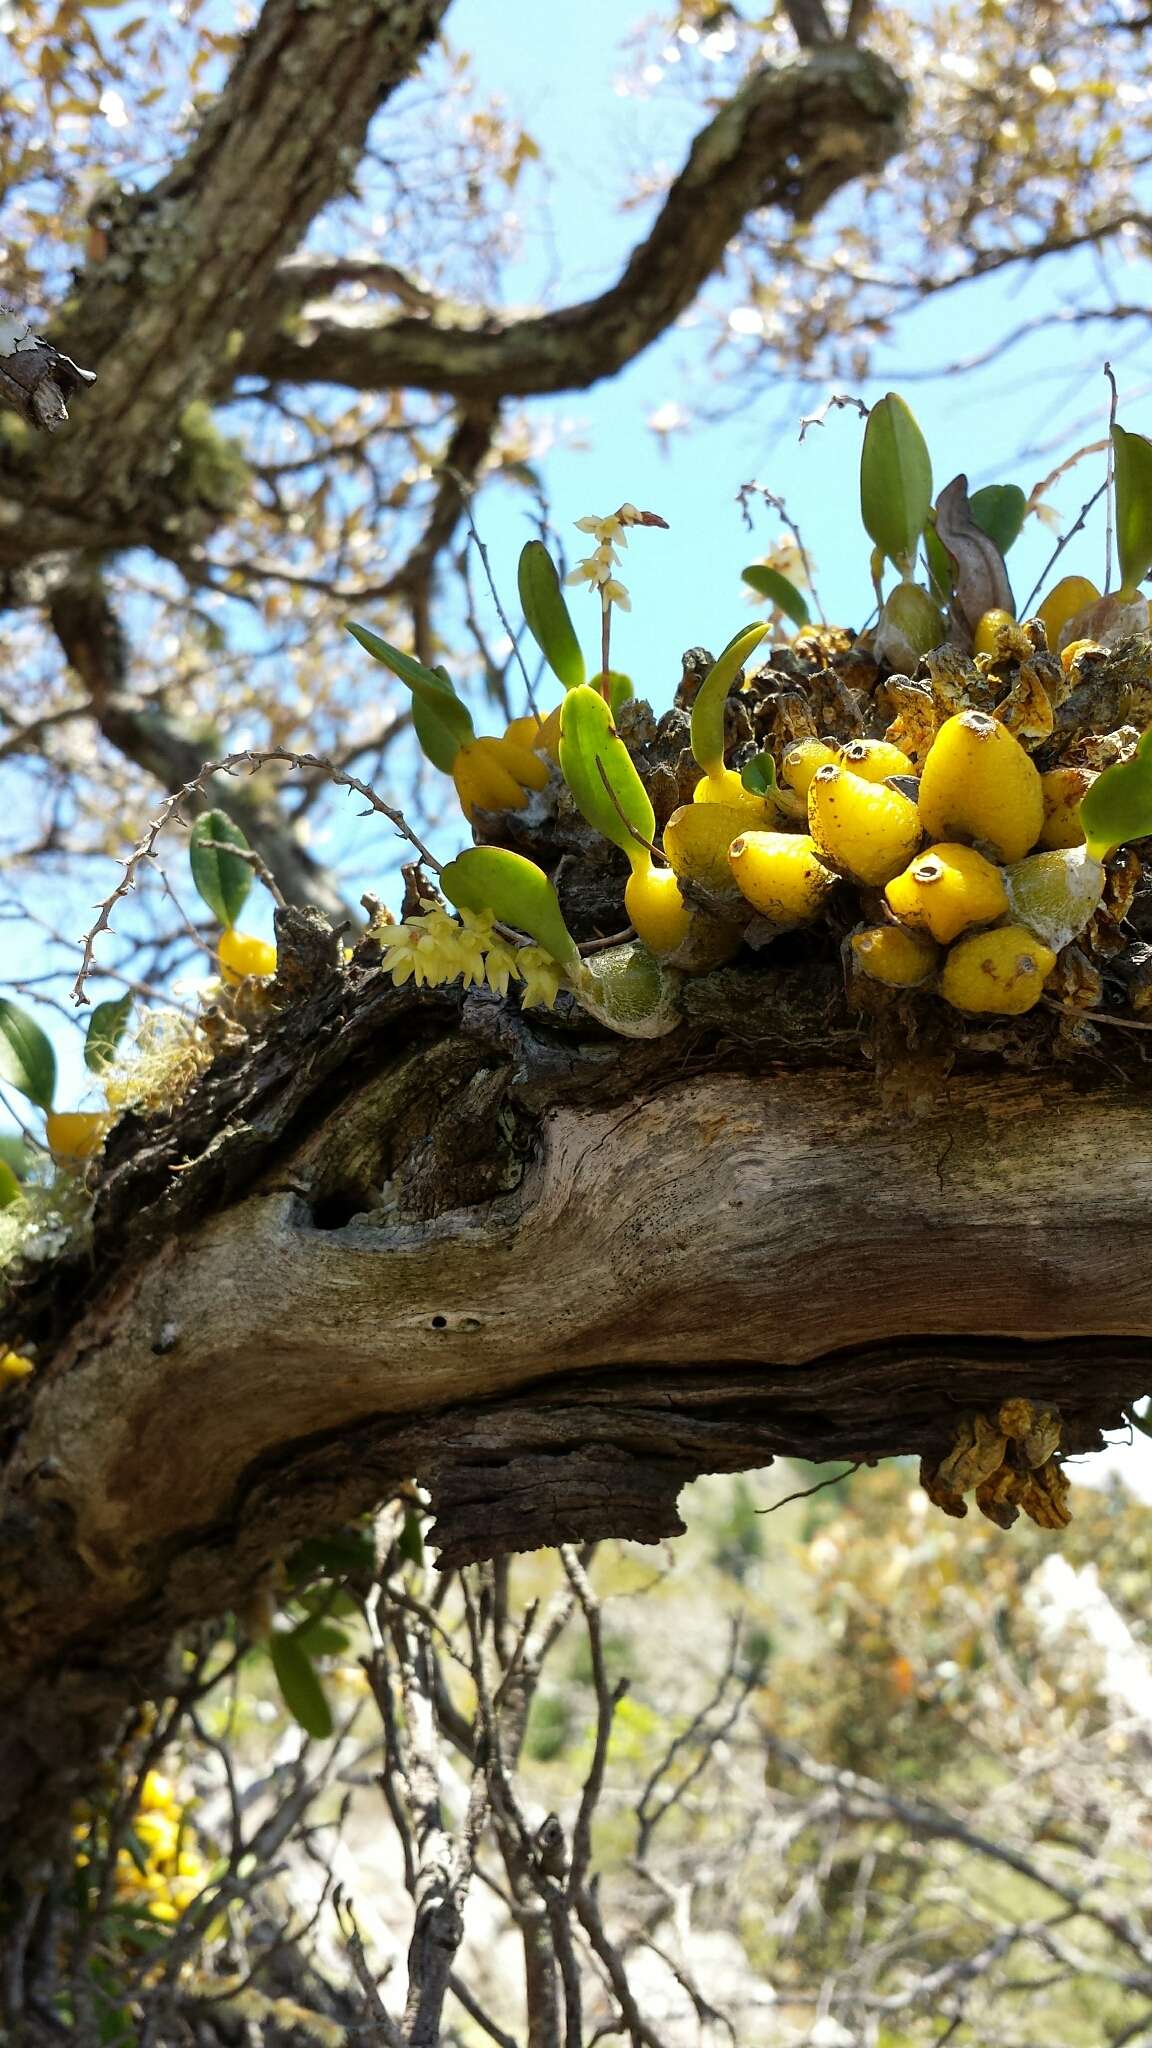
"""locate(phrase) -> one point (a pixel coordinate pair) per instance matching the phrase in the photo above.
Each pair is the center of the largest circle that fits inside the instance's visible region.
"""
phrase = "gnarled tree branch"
(554, 1276)
(790, 138)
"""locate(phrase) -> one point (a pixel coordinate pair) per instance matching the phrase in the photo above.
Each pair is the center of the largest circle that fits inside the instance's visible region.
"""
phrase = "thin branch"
(252, 759)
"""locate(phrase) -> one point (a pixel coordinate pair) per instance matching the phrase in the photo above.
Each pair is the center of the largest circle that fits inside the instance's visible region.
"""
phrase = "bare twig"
(252, 759)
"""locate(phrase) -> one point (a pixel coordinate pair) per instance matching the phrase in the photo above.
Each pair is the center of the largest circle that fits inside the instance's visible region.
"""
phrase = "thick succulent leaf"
(895, 480)
(301, 1690)
(1118, 806)
(1132, 468)
(517, 892)
(940, 566)
(621, 689)
(106, 1027)
(979, 578)
(589, 742)
(27, 1061)
(438, 742)
(427, 683)
(778, 590)
(998, 510)
(711, 697)
(759, 774)
(546, 614)
(220, 880)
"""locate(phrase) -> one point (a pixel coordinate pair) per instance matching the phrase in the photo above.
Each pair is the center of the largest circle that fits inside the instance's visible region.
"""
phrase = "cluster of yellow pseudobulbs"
(980, 911)
(162, 1870)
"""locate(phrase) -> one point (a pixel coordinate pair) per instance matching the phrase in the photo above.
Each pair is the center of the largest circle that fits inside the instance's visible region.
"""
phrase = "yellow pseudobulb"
(240, 955)
(898, 958)
(978, 783)
(781, 875)
(864, 828)
(656, 909)
(946, 889)
(1000, 973)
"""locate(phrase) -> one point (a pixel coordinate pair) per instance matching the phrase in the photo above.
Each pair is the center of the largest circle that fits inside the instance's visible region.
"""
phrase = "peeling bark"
(552, 1275)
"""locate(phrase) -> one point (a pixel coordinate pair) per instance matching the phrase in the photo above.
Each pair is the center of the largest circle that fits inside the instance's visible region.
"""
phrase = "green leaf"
(546, 614)
(425, 683)
(346, 1550)
(1118, 807)
(438, 742)
(27, 1061)
(9, 1185)
(411, 1540)
(778, 590)
(711, 697)
(106, 1028)
(895, 481)
(759, 774)
(622, 689)
(517, 892)
(136, 1850)
(300, 1689)
(998, 510)
(321, 1638)
(1132, 460)
(15, 1154)
(941, 567)
(587, 738)
(219, 879)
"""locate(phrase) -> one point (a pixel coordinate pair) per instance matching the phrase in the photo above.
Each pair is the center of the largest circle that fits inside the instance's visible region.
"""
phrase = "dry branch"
(553, 1276)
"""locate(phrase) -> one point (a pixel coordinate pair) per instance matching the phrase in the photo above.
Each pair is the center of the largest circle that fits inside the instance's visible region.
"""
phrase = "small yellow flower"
(14, 1366)
(500, 965)
(410, 952)
(541, 975)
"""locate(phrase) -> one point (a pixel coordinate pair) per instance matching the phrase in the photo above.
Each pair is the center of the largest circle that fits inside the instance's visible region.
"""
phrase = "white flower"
(613, 592)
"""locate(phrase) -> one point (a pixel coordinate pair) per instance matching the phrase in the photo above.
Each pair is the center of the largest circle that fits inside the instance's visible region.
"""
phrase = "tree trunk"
(552, 1274)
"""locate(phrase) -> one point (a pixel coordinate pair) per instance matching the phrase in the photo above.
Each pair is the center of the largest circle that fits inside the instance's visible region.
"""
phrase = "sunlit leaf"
(425, 683)
(895, 480)
(301, 1690)
(999, 510)
(759, 774)
(1118, 806)
(712, 696)
(1132, 459)
(621, 689)
(589, 743)
(438, 742)
(516, 891)
(220, 880)
(106, 1027)
(546, 614)
(27, 1061)
(9, 1185)
(941, 568)
(778, 590)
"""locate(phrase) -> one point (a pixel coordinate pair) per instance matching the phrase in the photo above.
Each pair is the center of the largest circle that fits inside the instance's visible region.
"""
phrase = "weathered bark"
(553, 1275)
(790, 138)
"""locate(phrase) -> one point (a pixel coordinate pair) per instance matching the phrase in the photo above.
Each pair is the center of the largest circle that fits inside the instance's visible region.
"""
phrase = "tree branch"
(789, 138)
(90, 635)
(189, 261)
